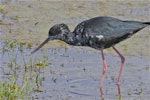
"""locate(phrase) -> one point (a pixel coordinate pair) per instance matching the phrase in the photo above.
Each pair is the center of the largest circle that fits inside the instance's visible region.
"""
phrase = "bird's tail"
(148, 23)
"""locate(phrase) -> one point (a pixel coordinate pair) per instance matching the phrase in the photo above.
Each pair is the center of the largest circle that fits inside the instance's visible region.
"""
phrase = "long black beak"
(41, 45)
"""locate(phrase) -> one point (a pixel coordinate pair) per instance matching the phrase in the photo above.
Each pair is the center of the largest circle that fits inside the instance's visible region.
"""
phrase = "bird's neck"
(75, 39)
(70, 38)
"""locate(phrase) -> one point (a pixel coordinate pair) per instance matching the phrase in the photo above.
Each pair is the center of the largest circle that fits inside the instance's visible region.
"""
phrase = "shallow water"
(73, 72)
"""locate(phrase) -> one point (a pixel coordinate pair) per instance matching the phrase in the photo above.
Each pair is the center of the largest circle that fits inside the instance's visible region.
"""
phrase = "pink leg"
(122, 66)
(104, 73)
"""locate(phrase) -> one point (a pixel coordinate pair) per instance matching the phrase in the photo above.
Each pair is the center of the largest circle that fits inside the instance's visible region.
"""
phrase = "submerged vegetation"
(12, 91)
(19, 79)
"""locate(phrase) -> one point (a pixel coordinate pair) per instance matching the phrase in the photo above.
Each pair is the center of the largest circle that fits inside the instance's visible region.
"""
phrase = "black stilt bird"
(99, 33)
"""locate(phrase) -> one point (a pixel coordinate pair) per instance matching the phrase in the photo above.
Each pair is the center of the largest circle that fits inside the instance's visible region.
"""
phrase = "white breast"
(99, 37)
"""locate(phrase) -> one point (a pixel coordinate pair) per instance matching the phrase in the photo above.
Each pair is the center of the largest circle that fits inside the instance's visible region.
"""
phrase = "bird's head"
(56, 32)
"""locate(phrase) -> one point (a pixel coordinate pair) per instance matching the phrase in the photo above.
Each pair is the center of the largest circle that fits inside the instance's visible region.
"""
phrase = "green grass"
(9, 91)
(24, 76)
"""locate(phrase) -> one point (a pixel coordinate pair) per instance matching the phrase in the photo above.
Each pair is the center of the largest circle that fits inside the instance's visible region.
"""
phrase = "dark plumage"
(98, 33)
(103, 32)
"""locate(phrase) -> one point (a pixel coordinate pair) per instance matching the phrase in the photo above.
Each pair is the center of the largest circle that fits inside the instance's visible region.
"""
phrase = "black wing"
(108, 26)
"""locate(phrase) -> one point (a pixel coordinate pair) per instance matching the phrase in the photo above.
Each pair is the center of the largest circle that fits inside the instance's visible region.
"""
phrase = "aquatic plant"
(22, 77)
